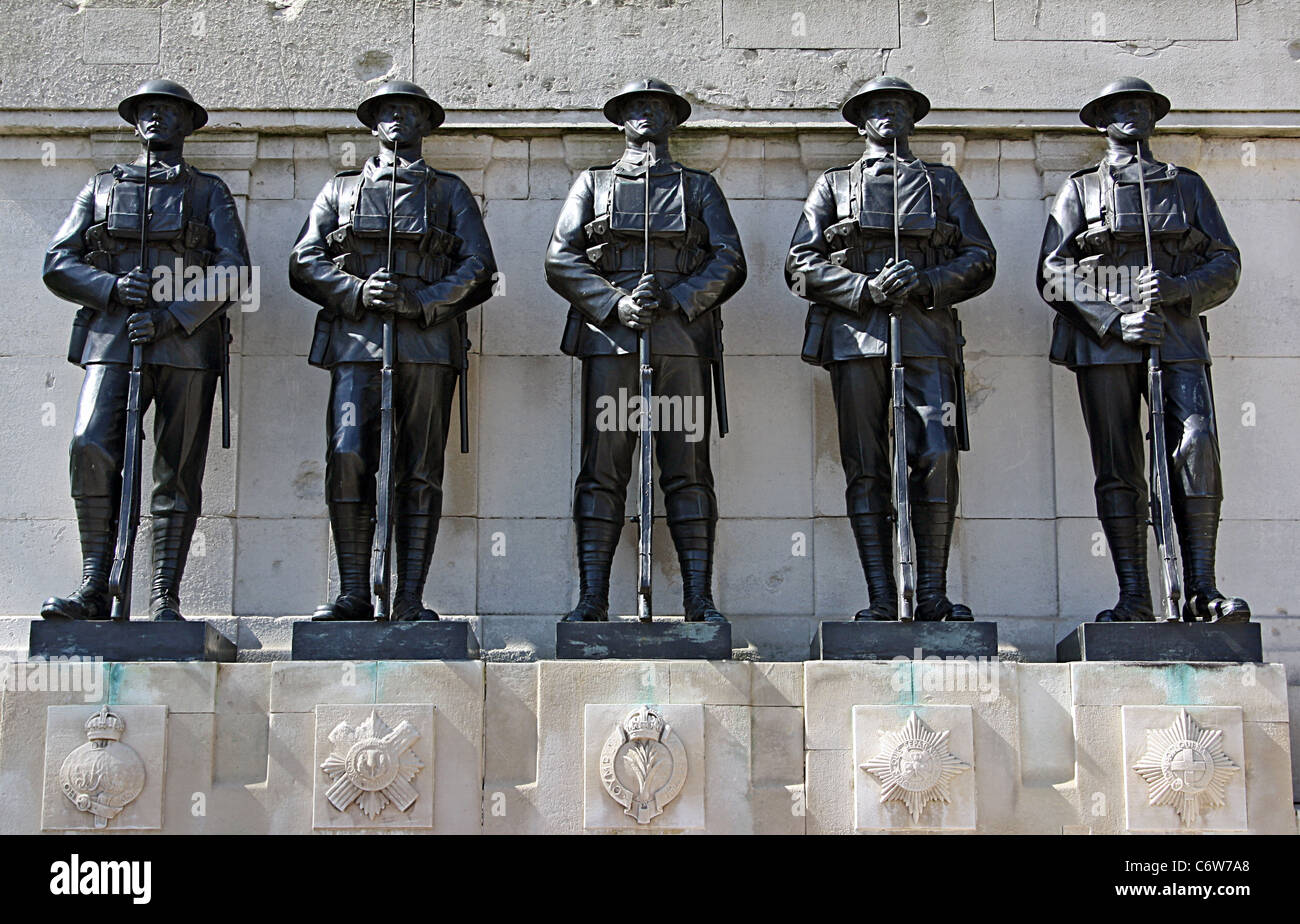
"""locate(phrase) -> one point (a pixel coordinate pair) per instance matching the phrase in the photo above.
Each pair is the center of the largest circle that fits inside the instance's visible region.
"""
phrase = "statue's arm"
(66, 272)
(568, 270)
(725, 270)
(312, 273)
(809, 271)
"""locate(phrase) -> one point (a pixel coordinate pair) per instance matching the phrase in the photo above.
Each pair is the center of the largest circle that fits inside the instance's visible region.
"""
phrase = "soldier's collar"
(376, 169)
(158, 173)
(1125, 168)
(874, 164)
(632, 163)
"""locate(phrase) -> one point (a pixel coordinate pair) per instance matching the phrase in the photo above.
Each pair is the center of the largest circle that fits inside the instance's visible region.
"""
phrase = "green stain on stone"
(113, 674)
(1180, 685)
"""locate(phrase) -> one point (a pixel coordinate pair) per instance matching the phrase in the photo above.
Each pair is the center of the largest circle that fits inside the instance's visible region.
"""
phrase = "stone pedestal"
(884, 641)
(431, 640)
(131, 640)
(1162, 641)
(636, 640)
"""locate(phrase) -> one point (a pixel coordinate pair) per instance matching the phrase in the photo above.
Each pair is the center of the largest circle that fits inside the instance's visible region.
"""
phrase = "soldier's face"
(400, 122)
(1130, 118)
(887, 116)
(162, 122)
(648, 118)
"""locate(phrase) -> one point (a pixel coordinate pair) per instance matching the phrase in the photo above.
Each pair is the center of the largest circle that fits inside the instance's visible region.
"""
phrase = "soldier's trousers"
(1112, 397)
(609, 444)
(422, 397)
(182, 402)
(862, 393)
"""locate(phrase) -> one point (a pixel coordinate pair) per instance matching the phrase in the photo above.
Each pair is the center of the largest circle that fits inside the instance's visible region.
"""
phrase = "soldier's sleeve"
(974, 265)
(1063, 284)
(725, 271)
(469, 282)
(312, 274)
(809, 271)
(1212, 282)
(66, 272)
(229, 250)
(568, 271)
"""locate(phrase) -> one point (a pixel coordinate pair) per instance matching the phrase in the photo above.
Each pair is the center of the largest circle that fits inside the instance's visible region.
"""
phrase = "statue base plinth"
(1237, 642)
(884, 641)
(128, 640)
(636, 640)
(373, 640)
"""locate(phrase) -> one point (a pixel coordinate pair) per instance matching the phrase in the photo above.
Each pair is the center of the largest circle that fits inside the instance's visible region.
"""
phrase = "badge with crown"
(643, 764)
(103, 775)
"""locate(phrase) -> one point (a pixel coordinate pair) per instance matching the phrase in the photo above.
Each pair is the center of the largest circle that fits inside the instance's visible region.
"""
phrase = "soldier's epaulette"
(445, 174)
(206, 174)
(602, 167)
(842, 169)
(354, 172)
(1085, 171)
(686, 169)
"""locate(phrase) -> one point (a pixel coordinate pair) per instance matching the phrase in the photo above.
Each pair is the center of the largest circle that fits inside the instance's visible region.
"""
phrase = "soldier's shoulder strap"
(349, 183)
(103, 188)
(602, 196)
(1093, 201)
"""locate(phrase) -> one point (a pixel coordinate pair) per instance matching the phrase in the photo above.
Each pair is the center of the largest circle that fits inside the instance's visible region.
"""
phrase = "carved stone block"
(104, 768)
(373, 766)
(1184, 768)
(914, 768)
(643, 767)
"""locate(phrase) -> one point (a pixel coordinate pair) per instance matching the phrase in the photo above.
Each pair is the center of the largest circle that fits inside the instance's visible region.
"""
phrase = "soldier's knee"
(348, 477)
(94, 466)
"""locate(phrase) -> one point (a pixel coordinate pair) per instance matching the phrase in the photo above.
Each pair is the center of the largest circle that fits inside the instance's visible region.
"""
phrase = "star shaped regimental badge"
(373, 765)
(1185, 766)
(914, 766)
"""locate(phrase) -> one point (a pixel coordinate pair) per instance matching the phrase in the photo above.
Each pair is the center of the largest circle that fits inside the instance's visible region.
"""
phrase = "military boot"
(694, 542)
(932, 533)
(172, 533)
(874, 536)
(1198, 528)
(1127, 537)
(91, 599)
(353, 526)
(596, 542)
(416, 533)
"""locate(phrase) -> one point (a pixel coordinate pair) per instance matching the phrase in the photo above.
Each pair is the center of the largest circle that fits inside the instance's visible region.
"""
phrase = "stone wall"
(768, 748)
(522, 82)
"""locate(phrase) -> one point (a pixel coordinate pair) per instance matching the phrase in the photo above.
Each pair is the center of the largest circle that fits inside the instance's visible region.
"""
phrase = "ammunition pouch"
(617, 252)
(429, 259)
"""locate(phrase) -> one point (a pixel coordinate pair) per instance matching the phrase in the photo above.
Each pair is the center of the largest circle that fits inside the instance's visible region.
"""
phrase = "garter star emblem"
(103, 775)
(914, 766)
(372, 765)
(643, 764)
(1185, 767)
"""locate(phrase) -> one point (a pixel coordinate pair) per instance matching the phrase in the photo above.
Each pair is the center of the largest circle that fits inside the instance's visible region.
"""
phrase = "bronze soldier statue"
(95, 260)
(409, 258)
(597, 261)
(864, 301)
(1135, 251)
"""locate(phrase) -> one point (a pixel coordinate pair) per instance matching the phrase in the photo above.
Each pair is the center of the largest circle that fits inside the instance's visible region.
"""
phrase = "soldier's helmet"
(367, 112)
(852, 110)
(614, 105)
(167, 89)
(1093, 113)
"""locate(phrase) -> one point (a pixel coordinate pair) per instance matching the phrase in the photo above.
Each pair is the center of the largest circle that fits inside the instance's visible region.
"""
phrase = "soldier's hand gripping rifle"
(906, 571)
(381, 567)
(1162, 511)
(645, 485)
(128, 508)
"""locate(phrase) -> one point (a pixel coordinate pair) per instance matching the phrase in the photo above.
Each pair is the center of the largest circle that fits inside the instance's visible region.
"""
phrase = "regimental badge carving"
(103, 775)
(914, 766)
(372, 765)
(1185, 767)
(643, 764)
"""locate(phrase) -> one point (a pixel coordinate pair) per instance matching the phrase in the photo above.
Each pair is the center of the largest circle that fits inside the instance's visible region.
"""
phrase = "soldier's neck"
(1122, 150)
(649, 150)
(407, 152)
(881, 148)
(165, 157)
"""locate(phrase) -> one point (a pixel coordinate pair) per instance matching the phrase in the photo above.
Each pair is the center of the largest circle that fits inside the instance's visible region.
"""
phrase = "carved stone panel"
(1184, 768)
(913, 768)
(104, 768)
(373, 766)
(643, 766)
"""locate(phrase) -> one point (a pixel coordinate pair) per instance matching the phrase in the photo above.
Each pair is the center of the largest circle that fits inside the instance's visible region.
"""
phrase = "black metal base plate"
(372, 640)
(636, 640)
(128, 640)
(1162, 641)
(884, 641)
